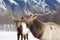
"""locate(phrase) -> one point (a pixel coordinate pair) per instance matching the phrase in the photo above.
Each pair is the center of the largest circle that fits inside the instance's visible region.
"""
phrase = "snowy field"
(13, 36)
(8, 32)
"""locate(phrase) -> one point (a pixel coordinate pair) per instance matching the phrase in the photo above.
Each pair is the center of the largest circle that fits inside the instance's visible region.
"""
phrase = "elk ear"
(34, 16)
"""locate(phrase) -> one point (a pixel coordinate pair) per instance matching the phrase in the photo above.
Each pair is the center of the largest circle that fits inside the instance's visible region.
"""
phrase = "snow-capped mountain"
(32, 6)
(17, 7)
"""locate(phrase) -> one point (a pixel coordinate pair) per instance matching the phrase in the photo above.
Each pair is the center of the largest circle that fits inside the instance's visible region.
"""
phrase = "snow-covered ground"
(13, 36)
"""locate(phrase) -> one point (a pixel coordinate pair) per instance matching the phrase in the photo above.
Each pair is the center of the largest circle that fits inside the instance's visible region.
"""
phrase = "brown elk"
(41, 30)
(35, 26)
(20, 30)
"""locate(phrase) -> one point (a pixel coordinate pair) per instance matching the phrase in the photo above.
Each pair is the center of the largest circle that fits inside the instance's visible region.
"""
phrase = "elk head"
(30, 17)
(18, 23)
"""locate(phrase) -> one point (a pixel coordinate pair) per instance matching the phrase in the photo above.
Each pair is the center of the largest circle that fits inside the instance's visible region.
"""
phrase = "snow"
(58, 0)
(2, 5)
(12, 1)
(13, 36)
(8, 36)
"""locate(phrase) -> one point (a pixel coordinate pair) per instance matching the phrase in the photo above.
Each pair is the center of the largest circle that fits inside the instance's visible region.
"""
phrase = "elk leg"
(24, 37)
(18, 35)
(21, 37)
(27, 36)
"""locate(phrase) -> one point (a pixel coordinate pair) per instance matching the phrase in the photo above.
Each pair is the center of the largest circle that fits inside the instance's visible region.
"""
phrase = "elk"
(41, 30)
(35, 26)
(20, 28)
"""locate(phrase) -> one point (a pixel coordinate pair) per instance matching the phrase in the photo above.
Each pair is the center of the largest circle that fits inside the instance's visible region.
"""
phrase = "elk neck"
(36, 27)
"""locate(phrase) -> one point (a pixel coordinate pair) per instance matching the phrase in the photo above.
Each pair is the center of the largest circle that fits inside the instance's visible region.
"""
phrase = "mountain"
(17, 7)
(33, 5)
